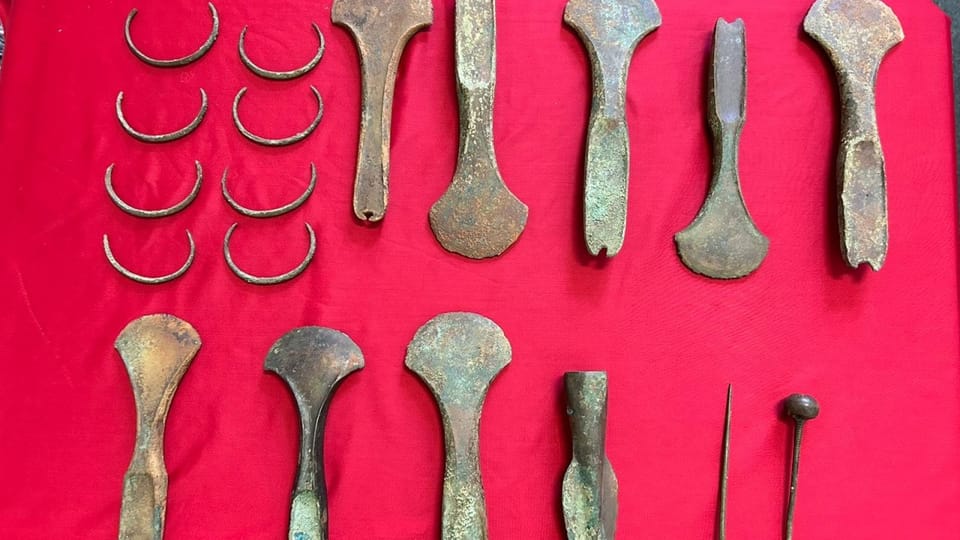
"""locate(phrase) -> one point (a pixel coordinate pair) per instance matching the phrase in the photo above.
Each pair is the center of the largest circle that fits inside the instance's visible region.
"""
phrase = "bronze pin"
(156, 350)
(801, 408)
(724, 470)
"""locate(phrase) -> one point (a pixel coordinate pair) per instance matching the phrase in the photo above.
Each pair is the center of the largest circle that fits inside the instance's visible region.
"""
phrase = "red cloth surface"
(879, 350)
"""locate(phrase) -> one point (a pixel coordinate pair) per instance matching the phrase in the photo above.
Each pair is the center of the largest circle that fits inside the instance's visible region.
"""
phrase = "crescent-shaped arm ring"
(145, 279)
(151, 214)
(274, 280)
(285, 209)
(163, 137)
(281, 75)
(276, 142)
(175, 62)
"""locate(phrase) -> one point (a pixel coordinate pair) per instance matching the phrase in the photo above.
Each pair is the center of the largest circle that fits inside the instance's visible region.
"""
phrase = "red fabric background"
(879, 350)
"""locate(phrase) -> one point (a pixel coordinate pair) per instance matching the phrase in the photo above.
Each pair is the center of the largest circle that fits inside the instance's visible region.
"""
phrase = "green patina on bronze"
(312, 361)
(478, 216)
(156, 350)
(610, 30)
(458, 355)
(857, 34)
(381, 30)
(723, 242)
(589, 486)
(800, 408)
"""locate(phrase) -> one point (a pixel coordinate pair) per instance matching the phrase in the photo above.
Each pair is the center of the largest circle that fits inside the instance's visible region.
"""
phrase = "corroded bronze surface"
(801, 408)
(312, 361)
(269, 280)
(458, 355)
(589, 486)
(175, 62)
(611, 30)
(478, 217)
(272, 212)
(282, 75)
(723, 242)
(381, 30)
(284, 141)
(857, 34)
(162, 137)
(147, 280)
(724, 470)
(151, 214)
(157, 350)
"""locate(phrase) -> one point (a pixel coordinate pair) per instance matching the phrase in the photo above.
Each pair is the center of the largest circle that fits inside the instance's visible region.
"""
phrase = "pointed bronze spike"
(724, 470)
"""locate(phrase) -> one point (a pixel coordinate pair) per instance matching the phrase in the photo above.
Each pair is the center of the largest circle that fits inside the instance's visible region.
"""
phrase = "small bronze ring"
(276, 142)
(150, 280)
(254, 280)
(176, 62)
(163, 137)
(282, 75)
(149, 214)
(287, 208)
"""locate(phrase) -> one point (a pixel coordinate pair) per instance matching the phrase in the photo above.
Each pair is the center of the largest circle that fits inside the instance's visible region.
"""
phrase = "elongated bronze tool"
(381, 31)
(724, 470)
(458, 355)
(312, 361)
(611, 30)
(801, 408)
(157, 350)
(723, 242)
(589, 486)
(857, 34)
(478, 217)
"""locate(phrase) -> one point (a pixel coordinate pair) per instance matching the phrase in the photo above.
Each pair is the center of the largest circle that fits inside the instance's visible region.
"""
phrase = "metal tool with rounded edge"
(800, 408)
(163, 137)
(478, 216)
(276, 142)
(146, 280)
(611, 30)
(312, 361)
(151, 214)
(857, 35)
(723, 242)
(285, 209)
(381, 31)
(274, 280)
(176, 62)
(457, 355)
(156, 350)
(281, 75)
(589, 486)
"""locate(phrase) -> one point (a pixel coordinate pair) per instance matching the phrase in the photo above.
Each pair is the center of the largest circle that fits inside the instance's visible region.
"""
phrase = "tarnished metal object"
(276, 142)
(381, 31)
(152, 214)
(723, 242)
(478, 217)
(146, 280)
(724, 470)
(857, 34)
(312, 361)
(162, 137)
(281, 75)
(274, 212)
(272, 280)
(458, 355)
(157, 350)
(589, 486)
(175, 62)
(610, 30)
(801, 408)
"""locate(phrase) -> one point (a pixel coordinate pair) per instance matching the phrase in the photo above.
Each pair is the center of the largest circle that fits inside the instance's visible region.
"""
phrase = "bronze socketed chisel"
(589, 486)
(610, 30)
(857, 34)
(157, 350)
(723, 242)
(381, 30)
(457, 355)
(312, 361)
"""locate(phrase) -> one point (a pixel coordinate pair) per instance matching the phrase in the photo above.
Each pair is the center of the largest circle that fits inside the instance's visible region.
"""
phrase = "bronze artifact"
(157, 350)
(381, 31)
(724, 470)
(312, 361)
(272, 280)
(952, 9)
(478, 217)
(857, 34)
(281, 75)
(276, 142)
(176, 62)
(285, 209)
(610, 30)
(133, 211)
(723, 242)
(145, 279)
(163, 137)
(457, 355)
(801, 408)
(589, 486)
